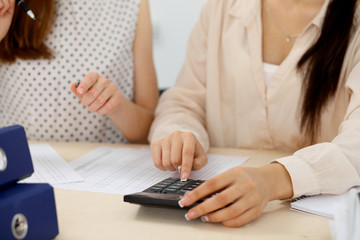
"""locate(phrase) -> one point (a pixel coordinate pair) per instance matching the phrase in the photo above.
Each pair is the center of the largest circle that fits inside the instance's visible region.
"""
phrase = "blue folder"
(15, 158)
(27, 211)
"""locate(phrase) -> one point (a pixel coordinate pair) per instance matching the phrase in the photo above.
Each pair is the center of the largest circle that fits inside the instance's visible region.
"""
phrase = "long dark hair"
(25, 38)
(322, 64)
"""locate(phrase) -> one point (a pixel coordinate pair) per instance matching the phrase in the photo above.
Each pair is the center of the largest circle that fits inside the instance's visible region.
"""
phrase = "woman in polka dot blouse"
(104, 44)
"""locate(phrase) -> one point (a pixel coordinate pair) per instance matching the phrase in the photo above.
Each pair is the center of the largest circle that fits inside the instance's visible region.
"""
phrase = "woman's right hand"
(6, 14)
(180, 149)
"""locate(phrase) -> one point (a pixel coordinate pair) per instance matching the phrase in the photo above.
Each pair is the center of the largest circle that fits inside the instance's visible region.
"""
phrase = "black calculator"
(164, 193)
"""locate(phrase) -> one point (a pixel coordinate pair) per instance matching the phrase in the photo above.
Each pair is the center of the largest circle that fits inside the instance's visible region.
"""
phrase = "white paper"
(50, 167)
(323, 205)
(129, 170)
(345, 225)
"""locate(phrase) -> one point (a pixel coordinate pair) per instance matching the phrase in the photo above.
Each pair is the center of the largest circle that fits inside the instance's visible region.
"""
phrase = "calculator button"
(169, 190)
(182, 191)
(156, 189)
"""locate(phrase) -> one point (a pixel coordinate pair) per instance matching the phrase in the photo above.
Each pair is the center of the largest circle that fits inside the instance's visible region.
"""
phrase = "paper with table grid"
(128, 170)
(50, 167)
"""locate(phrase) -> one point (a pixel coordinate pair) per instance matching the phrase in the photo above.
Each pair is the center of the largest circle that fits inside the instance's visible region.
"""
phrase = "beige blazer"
(221, 96)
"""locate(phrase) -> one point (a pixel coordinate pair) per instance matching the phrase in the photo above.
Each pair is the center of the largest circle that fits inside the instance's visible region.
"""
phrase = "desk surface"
(87, 215)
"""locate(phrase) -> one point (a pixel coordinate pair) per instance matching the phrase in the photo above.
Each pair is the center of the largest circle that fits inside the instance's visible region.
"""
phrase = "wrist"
(119, 107)
(278, 181)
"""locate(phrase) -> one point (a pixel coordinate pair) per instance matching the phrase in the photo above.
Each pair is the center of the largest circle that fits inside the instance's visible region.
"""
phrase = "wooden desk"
(86, 215)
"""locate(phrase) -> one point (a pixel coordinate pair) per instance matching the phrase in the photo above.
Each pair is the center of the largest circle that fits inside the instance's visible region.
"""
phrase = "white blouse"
(269, 70)
(88, 36)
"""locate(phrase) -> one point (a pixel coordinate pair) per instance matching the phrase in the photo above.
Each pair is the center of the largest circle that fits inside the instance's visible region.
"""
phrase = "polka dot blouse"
(88, 36)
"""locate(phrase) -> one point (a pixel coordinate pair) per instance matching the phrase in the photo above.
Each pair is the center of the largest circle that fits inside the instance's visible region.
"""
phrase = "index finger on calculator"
(188, 155)
(88, 81)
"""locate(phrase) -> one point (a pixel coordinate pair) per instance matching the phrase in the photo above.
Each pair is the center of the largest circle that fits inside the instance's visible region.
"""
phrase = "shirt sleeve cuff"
(302, 176)
(162, 132)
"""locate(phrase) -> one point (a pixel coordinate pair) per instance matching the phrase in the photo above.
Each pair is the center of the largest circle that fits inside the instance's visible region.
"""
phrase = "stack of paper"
(320, 205)
(346, 224)
(344, 210)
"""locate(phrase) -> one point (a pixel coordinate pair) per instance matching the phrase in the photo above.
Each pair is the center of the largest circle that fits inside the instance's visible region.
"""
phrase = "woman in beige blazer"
(271, 74)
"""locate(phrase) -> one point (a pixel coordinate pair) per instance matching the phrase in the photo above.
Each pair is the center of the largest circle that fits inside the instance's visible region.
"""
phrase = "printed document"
(128, 170)
(50, 167)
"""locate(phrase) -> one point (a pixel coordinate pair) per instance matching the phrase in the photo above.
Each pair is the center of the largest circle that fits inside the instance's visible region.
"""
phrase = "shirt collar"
(246, 11)
(319, 18)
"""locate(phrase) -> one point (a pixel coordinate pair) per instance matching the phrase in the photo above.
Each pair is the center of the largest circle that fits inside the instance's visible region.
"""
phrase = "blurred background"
(172, 23)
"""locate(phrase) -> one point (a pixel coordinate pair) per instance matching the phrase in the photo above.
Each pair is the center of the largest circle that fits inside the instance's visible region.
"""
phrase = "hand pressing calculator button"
(165, 193)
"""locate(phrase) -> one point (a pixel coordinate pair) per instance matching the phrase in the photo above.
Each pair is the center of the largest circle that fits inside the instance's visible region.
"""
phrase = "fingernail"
(190, 215)
(205, 219)
(179, 168)
(81, 91)
(184, 176)
(184, 201)
(180, 204)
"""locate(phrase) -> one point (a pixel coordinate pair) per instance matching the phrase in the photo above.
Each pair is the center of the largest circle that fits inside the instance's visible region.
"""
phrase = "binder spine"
(15, 158)
(28, 212)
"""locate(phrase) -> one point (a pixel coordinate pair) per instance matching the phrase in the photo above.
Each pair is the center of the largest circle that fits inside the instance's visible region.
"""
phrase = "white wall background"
(172, 23)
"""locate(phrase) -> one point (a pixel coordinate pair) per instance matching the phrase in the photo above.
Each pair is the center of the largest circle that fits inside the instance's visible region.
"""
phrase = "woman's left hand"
(98, 94)
(240, 194)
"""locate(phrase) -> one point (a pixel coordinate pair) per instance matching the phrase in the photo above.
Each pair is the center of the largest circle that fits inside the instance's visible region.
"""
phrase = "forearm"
(133, 120)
